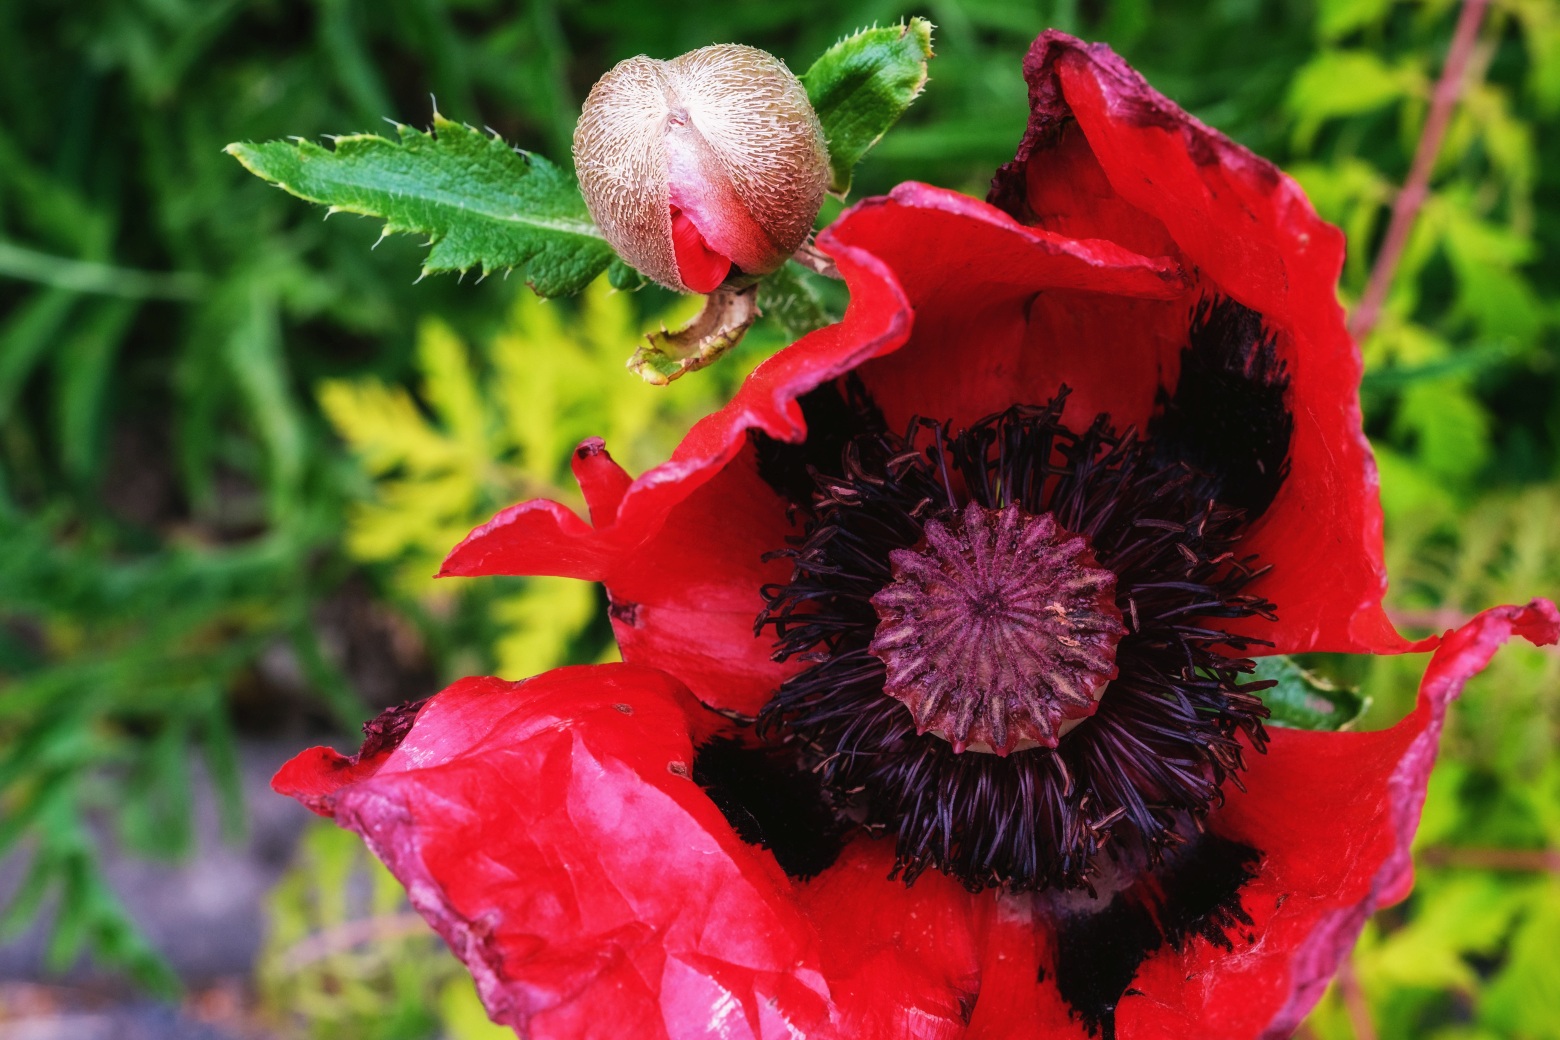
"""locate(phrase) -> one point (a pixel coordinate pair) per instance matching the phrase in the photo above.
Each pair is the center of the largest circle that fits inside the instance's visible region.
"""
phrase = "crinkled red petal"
(901, 962)
(1335, 814)
(1106, 155)
(550, 832)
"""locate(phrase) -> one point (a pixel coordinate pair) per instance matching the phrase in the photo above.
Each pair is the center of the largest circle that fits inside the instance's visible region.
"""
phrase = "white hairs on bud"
(724, 132)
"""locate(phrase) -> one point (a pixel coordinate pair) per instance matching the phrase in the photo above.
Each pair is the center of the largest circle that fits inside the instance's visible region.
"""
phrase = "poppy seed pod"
(693, 166)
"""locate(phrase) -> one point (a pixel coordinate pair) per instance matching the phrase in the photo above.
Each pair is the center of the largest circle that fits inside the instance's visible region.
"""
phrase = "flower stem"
(1405, 210)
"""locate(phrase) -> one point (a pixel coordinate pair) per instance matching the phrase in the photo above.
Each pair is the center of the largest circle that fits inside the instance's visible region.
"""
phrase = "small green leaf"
(1301, 700)
(862, 85)
(788, 299)
(624, 278)
(481, 203)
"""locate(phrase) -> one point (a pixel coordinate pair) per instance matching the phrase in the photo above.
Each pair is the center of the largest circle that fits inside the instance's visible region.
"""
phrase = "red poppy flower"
(990, 763)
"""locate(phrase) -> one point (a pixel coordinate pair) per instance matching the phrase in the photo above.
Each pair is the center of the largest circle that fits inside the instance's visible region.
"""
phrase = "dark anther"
(770, 802)
(1227, 416)
(835, 412)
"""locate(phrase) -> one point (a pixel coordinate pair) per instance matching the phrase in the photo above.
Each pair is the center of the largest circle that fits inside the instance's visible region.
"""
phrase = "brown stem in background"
(1436, 619)
(1439, 620)
(1354, 1002)
(349, 935)
(1531, 861)
(1406, 207)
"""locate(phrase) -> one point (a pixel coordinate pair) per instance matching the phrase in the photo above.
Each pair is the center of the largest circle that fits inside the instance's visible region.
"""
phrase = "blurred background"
(235, 440)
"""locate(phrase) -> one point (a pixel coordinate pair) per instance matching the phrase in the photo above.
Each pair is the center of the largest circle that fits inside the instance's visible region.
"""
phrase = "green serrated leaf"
(481, 203)
(862, 85)
(1301, 700)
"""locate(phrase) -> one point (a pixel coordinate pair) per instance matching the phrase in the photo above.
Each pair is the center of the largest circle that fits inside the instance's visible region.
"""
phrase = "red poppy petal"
(602, 481)
(1334, 815)
(1006, 313)
(702, 269)
(549, 831)
(901, 962)
(1016, 1001)
(687, 601)
(1107, 156)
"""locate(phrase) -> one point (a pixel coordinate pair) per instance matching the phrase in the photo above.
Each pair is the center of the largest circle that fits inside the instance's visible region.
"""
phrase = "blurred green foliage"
(347, 955)
(234, 438)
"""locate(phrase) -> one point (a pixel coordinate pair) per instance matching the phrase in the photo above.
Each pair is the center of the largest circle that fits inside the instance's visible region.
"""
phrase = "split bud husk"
(702, 167)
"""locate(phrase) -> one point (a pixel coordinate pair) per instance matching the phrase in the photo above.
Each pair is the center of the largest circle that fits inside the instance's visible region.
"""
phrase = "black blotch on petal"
(1198, 894)
(1097, 957)
(1202, 891)
(836, 412)
(1227, 416)
(772, 803)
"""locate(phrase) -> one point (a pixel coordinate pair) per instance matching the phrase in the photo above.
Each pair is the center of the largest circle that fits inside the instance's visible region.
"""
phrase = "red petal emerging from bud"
(724, 138)
(701, 268)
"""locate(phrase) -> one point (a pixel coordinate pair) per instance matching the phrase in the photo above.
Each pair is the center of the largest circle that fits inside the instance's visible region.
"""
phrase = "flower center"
(999, 635)
(953, 569)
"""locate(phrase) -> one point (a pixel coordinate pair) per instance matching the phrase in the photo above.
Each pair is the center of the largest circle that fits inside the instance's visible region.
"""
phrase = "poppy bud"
(705, 163)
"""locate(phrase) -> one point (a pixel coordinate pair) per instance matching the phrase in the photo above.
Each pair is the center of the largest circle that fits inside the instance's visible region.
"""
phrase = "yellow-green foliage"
(497, 425)
(346, 955)
(462, 1015)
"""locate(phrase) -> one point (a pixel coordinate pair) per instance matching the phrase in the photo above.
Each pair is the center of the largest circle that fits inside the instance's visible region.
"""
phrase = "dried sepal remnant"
(715, 157)
(1001, 634)
(720, 325)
